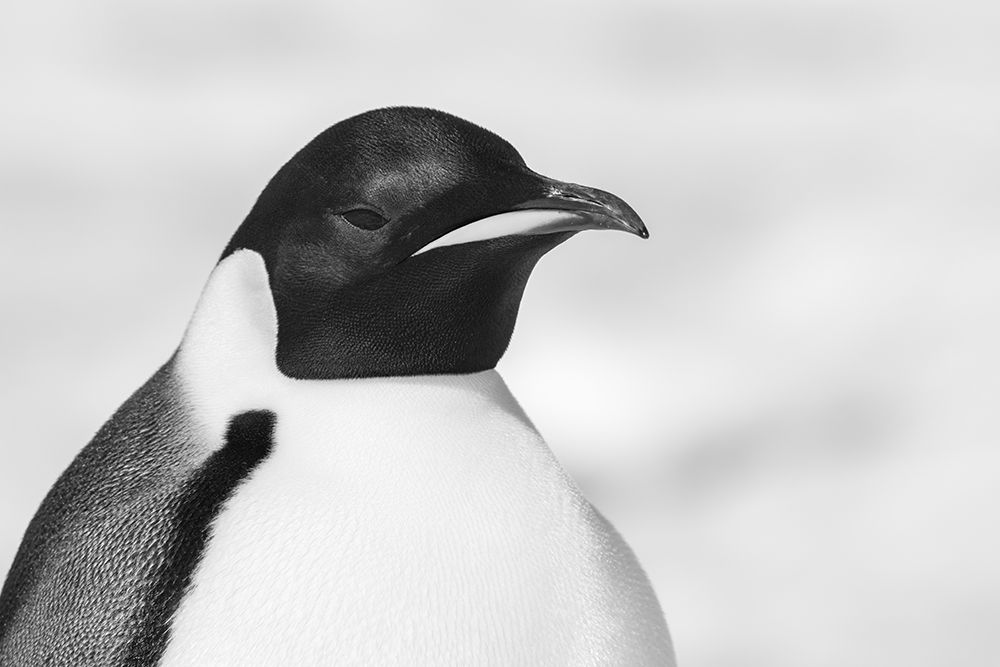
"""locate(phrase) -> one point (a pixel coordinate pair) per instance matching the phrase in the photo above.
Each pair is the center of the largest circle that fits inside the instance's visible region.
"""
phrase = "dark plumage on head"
(339, 225)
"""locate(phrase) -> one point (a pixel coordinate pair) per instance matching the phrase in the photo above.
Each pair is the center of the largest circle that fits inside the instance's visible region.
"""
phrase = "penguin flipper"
(98, 566)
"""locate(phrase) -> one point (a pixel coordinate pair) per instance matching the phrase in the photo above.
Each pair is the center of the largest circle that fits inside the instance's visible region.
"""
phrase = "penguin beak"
(564, 207)
(592, 208)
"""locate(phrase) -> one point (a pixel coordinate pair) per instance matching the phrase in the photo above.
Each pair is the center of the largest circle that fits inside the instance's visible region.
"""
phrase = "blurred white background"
(786, 400)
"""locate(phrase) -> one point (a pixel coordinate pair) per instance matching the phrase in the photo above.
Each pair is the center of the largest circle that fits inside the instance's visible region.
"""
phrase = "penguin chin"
(451, 309)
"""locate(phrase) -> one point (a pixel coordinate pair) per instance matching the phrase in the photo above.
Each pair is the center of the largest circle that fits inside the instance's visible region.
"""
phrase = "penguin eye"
(364, 219)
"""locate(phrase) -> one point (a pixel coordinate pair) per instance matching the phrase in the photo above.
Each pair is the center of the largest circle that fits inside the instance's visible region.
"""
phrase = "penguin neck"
(448, 311)
(227, 363)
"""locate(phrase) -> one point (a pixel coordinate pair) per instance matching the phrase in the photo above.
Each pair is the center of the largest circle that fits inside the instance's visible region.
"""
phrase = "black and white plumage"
(328, 470)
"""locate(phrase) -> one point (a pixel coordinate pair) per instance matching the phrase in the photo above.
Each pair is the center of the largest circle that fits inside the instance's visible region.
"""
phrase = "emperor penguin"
(329, 470)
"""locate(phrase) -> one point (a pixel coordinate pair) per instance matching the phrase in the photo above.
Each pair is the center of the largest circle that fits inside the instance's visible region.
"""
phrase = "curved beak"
(594, 209)
(564, 207)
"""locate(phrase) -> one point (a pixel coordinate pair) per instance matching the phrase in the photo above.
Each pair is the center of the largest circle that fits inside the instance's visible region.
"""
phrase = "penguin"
(329, 470)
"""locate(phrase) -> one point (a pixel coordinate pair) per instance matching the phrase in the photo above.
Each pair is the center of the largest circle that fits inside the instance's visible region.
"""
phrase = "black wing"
(111, 551)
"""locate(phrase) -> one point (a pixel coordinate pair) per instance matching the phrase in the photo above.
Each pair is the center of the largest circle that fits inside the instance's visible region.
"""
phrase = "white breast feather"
(409, 521)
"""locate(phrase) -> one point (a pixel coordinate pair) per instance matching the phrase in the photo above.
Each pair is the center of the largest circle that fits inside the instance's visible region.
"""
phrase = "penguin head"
(399, 242)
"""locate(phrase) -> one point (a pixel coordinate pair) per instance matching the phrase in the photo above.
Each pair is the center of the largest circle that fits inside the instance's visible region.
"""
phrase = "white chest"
(396, 521)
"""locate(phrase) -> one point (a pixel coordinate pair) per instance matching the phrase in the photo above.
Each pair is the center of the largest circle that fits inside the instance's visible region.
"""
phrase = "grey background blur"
(785, 400)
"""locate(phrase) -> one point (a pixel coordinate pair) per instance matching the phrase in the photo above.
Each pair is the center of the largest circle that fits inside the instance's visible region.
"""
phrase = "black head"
(374, 267)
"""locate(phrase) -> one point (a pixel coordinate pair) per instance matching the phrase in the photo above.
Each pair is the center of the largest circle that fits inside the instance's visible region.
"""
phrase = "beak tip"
(633, 225)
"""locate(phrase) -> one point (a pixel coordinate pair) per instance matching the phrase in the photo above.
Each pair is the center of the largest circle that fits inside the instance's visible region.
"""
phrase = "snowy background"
(786, 399)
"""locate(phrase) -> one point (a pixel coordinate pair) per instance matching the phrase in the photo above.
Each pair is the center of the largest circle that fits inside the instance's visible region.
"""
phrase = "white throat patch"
(227, 357)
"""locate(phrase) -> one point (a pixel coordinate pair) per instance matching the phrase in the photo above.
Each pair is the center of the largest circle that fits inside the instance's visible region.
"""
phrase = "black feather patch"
(110, 553)
(249, 439)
